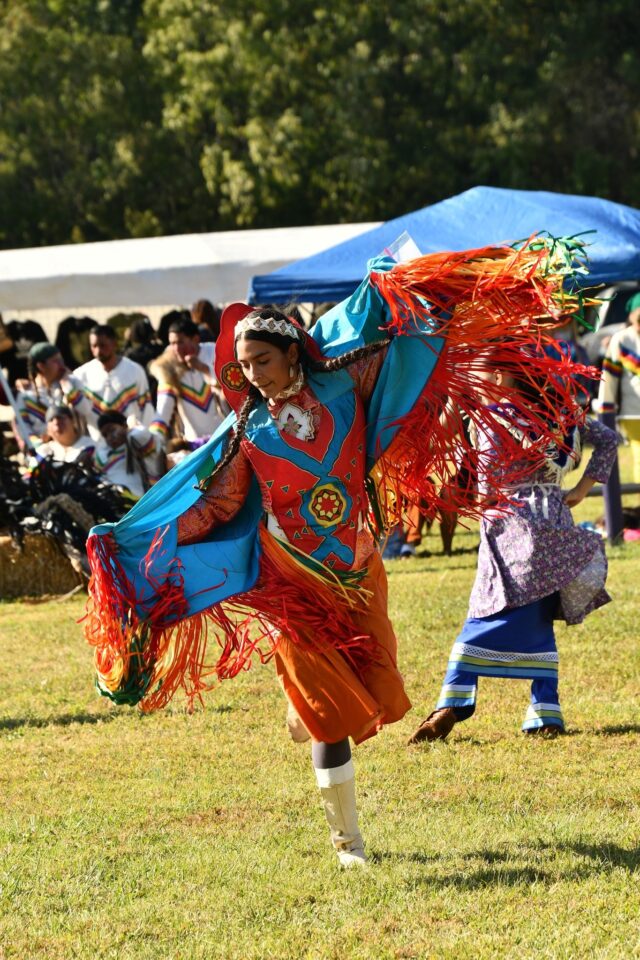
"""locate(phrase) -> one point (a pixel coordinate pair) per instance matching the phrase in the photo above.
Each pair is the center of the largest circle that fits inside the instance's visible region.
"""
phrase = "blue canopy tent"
(475, 218)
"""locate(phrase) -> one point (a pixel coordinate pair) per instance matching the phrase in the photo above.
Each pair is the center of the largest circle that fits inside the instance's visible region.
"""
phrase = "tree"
(144, 117)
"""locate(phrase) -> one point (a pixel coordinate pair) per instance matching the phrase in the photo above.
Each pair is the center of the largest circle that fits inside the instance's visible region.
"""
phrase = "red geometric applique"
(232, 376)
(327, 505)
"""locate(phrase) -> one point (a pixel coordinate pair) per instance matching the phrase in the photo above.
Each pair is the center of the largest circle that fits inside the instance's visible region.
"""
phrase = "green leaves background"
(145, 117)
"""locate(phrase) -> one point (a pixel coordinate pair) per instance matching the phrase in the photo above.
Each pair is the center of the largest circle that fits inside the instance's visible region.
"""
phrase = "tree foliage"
(140, 117)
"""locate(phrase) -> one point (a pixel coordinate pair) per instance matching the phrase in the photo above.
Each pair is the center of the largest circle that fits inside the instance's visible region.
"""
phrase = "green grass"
(175, 836)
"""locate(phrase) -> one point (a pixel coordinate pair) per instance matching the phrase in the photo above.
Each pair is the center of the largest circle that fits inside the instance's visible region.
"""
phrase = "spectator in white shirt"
(65, 443)
(112, 382)
(129, 455)
(190, 403)
(49, 384)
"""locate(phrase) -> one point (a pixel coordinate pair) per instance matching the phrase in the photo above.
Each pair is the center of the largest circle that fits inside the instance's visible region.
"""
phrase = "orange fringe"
(491, 306)
(147, 660)
(495, 308)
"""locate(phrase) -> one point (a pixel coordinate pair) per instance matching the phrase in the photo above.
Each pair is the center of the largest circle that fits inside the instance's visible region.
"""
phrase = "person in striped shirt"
(128, 455)
(111, 382)
(49, 384)
(65, 444)
(620, 385)
(190, 403)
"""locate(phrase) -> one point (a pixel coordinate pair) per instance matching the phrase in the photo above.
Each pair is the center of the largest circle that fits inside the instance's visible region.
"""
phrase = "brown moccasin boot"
(437, 726)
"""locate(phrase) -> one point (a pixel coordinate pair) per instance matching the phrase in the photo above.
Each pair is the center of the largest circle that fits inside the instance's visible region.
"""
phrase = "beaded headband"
(265, 322)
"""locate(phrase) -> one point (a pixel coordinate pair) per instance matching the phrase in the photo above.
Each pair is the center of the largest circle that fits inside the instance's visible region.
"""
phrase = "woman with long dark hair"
(266, 538)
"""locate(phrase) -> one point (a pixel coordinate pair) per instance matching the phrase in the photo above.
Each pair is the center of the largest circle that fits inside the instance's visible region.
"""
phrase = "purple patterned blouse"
(535, 549)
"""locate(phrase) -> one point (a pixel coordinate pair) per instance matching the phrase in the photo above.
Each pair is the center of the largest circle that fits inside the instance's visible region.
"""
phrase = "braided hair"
(283, 342)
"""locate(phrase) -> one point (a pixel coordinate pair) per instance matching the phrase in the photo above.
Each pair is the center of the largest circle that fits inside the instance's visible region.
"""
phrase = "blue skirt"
(513, 643)
(517, 643)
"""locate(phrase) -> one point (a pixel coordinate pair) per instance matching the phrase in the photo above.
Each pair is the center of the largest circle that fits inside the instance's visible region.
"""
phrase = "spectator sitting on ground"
(180, 448)
(129, 456)
(72, 340)
(167, 319)
(16, 339)
(112, 382)
(190, 403)
(65, 443)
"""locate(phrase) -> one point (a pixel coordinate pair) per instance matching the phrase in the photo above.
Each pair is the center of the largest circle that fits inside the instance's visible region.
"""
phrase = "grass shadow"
(64, 720)
(610, 855)
(617, 730)
(494, 871)
(380, 856)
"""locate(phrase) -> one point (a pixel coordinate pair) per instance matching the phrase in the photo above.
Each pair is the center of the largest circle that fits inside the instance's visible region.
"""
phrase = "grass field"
(175, 836)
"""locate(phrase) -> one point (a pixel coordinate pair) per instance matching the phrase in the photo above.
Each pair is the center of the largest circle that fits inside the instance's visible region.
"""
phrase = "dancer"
(534, 566)
(266, 537)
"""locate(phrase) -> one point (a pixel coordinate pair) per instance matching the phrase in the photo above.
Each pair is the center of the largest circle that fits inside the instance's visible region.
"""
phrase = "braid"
(339, 363)
(238, 433)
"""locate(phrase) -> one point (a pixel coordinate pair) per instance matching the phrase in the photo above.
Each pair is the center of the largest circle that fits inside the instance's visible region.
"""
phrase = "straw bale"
(38, 569)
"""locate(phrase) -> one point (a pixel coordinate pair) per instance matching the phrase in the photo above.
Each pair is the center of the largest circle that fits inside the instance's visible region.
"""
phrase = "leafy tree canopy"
(142, 117)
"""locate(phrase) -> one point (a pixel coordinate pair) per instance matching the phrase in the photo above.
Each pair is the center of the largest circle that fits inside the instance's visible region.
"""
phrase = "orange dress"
(335, 694)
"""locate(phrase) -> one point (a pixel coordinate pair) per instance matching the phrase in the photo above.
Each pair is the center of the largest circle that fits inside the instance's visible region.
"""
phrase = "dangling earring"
(292, 371)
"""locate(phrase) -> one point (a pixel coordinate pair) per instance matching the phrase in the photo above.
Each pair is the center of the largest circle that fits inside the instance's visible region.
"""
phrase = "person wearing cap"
(65, 444)
(266, 538)
(128, 454)
(49, 384)
(112, 382)
(619, 391)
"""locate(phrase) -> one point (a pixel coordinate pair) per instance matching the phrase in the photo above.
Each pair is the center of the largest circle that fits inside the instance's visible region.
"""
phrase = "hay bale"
(39, 568)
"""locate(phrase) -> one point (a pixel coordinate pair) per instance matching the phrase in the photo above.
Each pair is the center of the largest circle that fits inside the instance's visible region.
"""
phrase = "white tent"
(156, 270)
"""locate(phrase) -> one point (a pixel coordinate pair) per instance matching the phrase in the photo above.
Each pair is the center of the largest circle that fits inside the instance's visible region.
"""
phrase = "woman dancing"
(266, 537)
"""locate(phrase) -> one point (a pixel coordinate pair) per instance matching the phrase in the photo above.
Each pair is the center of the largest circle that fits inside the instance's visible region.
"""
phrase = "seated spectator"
(190, 403)
(65, 443)
(180, 448)
(16, 339)
(111, 382)
(129, 455)
(48, 384)
(6, 343)
(173, 316)
(72, 339)
(142, 343)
